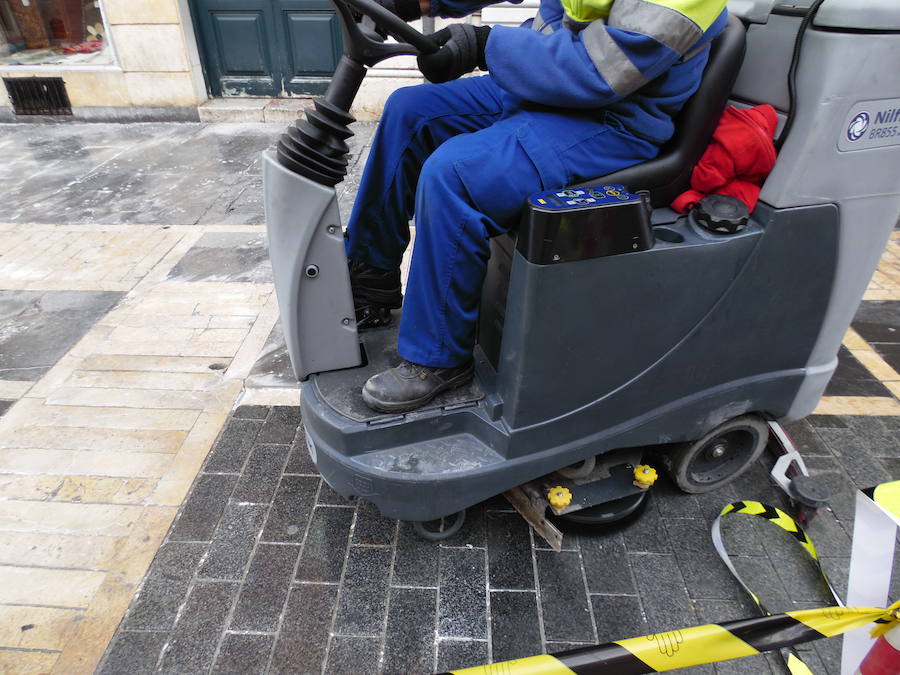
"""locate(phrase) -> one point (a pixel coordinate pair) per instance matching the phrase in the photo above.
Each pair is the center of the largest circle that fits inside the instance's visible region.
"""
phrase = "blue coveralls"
(463, 156)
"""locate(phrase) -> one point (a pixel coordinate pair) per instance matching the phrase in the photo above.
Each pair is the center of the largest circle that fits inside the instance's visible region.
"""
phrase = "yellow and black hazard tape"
(710, 643)
(695, 646)
(777, 517)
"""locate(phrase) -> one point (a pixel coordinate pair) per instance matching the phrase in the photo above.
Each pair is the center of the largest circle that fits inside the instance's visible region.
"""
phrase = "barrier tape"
(671, 650)
(886, 496)
(777, 517)
(695, 646)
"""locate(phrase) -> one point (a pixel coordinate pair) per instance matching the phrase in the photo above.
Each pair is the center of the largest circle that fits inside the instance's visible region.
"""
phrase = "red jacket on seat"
(738, 159)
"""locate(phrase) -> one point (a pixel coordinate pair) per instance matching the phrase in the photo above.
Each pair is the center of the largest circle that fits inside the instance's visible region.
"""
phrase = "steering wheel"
(363, 47)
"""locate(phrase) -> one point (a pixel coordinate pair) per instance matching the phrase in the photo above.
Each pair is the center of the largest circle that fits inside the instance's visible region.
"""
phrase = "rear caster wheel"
(720, 456)
(446, 529)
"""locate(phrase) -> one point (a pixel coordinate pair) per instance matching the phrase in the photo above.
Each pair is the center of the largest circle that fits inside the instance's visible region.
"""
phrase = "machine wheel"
(445, 532)
(720, 456)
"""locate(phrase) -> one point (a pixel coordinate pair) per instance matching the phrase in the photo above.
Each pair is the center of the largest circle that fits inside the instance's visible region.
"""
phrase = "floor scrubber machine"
(610, 325)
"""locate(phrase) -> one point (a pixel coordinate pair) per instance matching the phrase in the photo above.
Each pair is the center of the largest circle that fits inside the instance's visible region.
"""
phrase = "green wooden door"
(267, 47)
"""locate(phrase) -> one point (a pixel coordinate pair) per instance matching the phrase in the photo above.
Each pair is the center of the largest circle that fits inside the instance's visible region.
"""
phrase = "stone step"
(282, 110)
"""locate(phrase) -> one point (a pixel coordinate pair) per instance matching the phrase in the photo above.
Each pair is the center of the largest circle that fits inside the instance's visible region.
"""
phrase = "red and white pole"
(884, 657)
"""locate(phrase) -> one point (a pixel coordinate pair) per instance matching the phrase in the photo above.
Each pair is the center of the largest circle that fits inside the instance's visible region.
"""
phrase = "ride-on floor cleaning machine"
(610, 325)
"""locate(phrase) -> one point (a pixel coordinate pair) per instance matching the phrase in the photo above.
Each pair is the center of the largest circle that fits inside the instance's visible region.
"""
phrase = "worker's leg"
(416, 120)
(469, 177)
(473, 188)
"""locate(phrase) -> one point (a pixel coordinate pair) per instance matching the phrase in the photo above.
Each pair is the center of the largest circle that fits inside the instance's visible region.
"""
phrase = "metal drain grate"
(38, 95)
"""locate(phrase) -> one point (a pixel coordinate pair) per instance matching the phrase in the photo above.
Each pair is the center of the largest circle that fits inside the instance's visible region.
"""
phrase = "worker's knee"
(481, 179)
(438, 179)
(404, 107)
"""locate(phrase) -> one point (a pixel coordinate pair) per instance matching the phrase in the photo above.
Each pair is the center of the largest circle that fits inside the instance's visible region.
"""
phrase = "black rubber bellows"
(316, 147)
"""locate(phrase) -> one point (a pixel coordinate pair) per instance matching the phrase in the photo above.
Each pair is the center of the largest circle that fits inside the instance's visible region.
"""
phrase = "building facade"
(183, 59)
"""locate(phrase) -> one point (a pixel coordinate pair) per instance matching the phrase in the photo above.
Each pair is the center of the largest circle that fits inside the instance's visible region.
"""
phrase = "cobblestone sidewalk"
(268, 570)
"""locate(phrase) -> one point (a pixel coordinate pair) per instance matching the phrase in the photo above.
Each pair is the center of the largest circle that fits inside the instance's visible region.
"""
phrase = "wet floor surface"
(171, 174)
(37, 328)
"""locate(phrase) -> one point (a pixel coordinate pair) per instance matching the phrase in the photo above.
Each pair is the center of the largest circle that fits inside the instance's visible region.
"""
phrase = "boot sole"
(392, 299)
(406, 406)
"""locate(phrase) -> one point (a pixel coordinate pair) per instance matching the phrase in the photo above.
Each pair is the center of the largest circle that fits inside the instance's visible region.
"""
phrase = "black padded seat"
(669, 174)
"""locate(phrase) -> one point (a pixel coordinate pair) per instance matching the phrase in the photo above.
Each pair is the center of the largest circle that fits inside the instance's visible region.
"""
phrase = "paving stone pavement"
(136, 302)
(319, 584)
(97, 454)
(267, 569)
(135, 295)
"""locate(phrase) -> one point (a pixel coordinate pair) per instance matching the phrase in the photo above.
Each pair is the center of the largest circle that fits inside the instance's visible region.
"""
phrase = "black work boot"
(410, 386)
(375, 293)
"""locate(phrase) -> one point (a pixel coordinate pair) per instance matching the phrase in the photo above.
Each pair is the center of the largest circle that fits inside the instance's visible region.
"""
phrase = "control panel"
(580, 198)
(571, 224)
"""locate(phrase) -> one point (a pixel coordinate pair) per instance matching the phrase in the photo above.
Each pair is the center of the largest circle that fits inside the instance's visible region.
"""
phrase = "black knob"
(810, 492)
(721, 214)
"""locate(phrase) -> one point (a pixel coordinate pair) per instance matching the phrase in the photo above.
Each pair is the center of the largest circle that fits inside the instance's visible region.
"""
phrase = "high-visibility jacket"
(638, 60)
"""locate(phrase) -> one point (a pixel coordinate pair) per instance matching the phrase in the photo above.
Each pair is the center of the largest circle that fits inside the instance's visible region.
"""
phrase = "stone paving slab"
(226, 256)
(37, 328)
(135, 294)
(885, 284)
(100, 446)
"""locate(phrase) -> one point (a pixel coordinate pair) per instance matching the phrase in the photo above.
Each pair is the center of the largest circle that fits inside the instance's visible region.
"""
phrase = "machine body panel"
(658, 363)
(306, 246)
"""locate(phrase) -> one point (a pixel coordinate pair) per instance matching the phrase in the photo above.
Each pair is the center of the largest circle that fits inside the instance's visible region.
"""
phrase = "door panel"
(313, 40)
(240, 41)
(267, 47)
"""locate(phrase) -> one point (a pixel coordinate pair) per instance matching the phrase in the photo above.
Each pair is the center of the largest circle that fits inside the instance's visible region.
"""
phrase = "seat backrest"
(669, 174)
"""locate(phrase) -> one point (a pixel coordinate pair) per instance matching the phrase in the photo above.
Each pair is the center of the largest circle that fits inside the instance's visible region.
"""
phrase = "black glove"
(408, 10)
(462, 49)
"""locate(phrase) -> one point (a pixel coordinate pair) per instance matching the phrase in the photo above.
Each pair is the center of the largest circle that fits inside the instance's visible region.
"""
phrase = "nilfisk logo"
(858, 126)
(870, 124)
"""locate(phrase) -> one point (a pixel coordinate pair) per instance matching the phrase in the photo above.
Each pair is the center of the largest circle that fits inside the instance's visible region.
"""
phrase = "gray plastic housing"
(312, 282)
(841, 74)
(697, 330)
(763, 77)
(875, 15)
